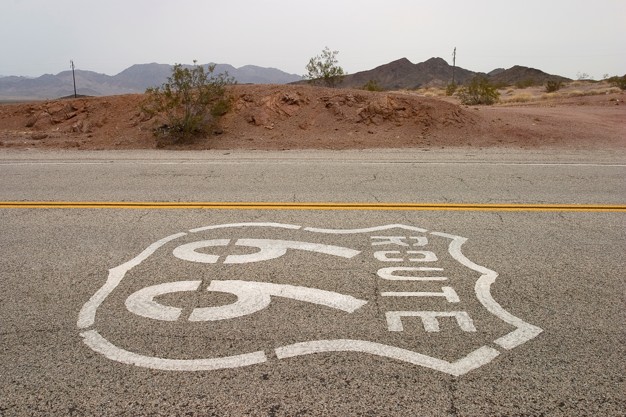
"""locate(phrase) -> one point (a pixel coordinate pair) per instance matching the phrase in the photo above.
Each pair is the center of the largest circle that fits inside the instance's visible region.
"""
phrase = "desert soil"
(275, 117)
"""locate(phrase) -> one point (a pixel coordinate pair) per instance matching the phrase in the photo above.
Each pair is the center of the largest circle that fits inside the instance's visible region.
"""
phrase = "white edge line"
(87, 315)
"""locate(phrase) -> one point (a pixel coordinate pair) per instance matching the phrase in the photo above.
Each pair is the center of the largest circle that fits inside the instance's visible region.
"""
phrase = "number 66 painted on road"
(254, 296)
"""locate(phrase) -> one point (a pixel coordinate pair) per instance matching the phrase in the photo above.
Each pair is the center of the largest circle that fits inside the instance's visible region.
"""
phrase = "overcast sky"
(564, 37)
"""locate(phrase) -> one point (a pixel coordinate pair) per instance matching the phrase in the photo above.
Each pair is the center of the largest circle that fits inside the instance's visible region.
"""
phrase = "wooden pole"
(453, 63)
(73, 77)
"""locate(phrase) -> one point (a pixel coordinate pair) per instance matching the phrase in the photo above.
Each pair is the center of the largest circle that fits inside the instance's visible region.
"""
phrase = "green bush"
(553, 85)
(372, 85)
(323, 68)
(190, 102)
(479, 91)
(618, 82)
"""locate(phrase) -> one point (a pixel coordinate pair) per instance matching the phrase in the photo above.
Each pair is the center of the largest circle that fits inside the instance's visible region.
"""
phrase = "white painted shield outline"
(523, 331)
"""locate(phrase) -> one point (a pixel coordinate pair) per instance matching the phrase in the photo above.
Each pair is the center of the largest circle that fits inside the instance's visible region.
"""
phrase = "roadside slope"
(275, 117)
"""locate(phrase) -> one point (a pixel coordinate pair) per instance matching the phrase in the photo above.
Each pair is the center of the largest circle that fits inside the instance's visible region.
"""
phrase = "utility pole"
(453, 63)
(74, 77)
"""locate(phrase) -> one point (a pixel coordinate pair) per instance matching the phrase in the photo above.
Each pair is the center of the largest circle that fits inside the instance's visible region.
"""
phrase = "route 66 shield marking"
(285, 291)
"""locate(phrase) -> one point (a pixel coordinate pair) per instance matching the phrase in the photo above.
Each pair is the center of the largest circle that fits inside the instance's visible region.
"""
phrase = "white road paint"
(400, 240)
(429, 320)
(272, 249)
(95, 341)
(389, 273)
(447, 292)
(188, 252)
(391, 256)
(253, 296)
(268, 249)
(87, 315)
(235, 225)
(524, 331)
(473, 360)
(364, 230)
(142, 302)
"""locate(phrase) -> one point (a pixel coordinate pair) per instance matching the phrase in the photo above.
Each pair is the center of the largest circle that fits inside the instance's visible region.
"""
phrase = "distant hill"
(134, 79)
(436, 72)
(523, 75)
(404, 74)
(495, 72)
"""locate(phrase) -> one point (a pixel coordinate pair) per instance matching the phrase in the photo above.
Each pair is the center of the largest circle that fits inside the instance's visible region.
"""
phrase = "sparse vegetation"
(324, 69)
(617, 81)
(553, 85)
(567, 90)
(594, 92)
(451, 88)
(522, 97)
(372, 85)
(479, 91)
(190, 101)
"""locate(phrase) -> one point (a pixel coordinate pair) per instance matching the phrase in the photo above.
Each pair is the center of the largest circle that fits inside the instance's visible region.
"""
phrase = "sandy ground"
(277, 117)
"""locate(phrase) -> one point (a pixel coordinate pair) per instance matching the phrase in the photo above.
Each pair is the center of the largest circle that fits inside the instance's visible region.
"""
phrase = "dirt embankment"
(298, 117)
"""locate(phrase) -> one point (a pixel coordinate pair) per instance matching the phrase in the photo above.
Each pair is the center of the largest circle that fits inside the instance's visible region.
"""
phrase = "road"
(512, 305)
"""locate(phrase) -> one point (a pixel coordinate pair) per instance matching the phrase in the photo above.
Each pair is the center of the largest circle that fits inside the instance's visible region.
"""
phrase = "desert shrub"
(324, 69)
(372, 85)
(451, 89)
(553, 85)
(478, 91)
(617, 81)
(190, 102)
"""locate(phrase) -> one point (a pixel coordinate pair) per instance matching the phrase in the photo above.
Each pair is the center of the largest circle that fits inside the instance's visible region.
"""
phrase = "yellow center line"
(310, 206)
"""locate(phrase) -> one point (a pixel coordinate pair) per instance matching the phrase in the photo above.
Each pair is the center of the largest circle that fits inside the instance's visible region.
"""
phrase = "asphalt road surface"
(366, 283)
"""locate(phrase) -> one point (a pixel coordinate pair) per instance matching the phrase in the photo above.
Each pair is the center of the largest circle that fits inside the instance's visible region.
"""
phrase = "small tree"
(190, 101)
(479, 91)
(323, 68)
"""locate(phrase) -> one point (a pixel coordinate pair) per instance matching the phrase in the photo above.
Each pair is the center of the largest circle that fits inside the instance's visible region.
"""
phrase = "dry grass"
(431, 92)
(592, 92)
(519, 98)
(569, 90)
(534, 94)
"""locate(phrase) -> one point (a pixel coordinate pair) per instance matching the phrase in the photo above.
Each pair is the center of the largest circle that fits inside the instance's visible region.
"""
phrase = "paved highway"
(512, 305)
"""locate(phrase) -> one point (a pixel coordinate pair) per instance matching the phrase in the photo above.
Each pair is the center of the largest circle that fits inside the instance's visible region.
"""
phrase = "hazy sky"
(564, 37)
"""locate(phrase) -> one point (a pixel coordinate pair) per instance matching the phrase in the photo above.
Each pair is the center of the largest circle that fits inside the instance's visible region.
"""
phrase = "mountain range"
(134, 79)
(399, 74)
(436, 72)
